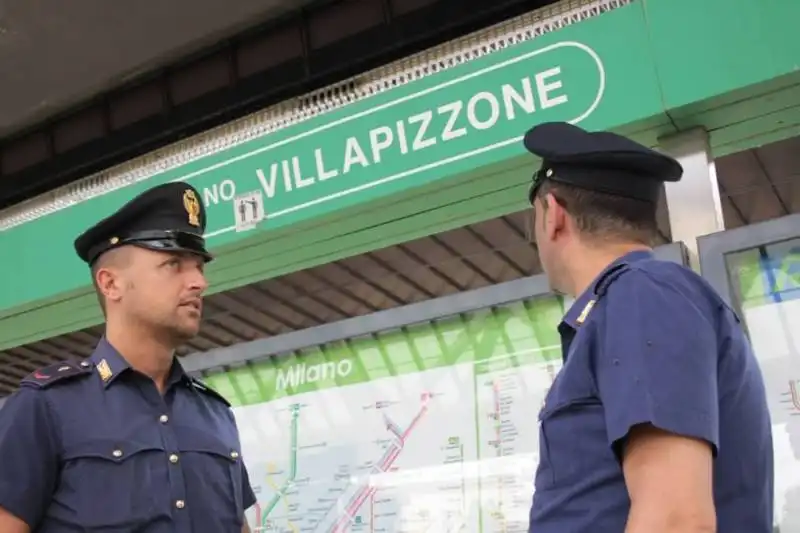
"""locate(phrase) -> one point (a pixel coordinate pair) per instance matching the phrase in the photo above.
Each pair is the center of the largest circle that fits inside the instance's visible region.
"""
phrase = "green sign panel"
(455, 129)
(460, 119)
(527, 330)
(438, 127)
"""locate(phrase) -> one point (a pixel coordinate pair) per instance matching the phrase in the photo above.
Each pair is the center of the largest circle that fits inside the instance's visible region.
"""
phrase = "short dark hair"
(116, 257)
(605, 216)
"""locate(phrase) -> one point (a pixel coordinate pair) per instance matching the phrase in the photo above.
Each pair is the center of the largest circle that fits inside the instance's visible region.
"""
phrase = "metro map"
(445, 450)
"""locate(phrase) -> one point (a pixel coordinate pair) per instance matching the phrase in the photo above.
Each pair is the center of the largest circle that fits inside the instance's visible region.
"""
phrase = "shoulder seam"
(663, 285)
(51, 413)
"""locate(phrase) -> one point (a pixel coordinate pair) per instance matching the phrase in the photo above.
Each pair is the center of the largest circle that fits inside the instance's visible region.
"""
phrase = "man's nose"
(198, 282)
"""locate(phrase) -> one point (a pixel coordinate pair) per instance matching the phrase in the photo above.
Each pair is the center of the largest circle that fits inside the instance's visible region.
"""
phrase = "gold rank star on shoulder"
(585, 313)
(104, 370)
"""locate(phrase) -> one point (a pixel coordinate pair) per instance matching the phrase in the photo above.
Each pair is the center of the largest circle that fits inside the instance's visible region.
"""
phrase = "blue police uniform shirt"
(98, 448)
(651, 342)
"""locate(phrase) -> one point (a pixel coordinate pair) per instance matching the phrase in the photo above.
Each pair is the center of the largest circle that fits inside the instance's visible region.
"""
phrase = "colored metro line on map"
(791, 398)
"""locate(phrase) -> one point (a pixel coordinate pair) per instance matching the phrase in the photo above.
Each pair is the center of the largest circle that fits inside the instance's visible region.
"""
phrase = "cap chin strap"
(163, 240)
(602, 180)
(184, 239)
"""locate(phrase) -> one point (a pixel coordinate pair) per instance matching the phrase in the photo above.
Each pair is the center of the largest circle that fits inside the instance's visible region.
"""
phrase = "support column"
(693, 204)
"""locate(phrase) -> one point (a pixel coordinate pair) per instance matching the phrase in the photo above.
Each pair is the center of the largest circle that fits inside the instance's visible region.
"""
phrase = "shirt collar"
(110, 364)
(580, 309)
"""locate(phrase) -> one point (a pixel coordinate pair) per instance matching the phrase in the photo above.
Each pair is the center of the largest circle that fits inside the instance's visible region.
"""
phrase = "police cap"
(599, 161)
(167, 218)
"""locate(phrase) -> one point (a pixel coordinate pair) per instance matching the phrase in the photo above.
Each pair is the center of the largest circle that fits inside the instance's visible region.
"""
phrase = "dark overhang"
(235, 73)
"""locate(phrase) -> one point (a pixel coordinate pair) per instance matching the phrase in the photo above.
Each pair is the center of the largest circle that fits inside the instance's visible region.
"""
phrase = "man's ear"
(554, 216)
(109, 274)
(109, 282)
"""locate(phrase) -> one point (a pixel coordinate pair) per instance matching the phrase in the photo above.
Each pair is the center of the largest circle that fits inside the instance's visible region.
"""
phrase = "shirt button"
(234, 455)
(163, 419)
(180, 504)
(173, 458)
(117, 453)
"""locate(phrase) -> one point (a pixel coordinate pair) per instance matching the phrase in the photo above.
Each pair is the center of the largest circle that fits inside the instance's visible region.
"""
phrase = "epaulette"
(57, 373)
(205, 389)
(609, 277)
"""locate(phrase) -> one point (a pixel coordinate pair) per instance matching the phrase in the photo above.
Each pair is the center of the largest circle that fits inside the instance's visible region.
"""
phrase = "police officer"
(658, 420)
(125, 440)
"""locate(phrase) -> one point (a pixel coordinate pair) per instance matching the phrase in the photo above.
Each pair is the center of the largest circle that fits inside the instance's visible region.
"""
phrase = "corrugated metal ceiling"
(755, 185)
(760, 184)
(53, 54)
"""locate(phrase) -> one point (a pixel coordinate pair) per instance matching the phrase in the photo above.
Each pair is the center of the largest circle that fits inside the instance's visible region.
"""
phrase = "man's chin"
(186, 332)
(190, 333)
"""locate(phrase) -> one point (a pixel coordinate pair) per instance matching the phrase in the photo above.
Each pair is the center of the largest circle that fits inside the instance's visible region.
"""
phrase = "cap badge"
(192, 206)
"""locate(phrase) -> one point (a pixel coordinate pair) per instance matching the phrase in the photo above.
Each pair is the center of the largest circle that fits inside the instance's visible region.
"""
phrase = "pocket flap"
(108, 449)
(566, 403)
(199, 441)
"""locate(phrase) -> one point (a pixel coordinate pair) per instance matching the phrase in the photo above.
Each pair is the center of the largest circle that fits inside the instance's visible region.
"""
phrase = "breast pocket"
(213, 474)
(111, 485)
(572, 440)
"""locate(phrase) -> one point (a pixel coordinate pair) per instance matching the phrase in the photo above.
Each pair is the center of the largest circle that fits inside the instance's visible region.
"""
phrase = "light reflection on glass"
(766, 283)
(430, 429)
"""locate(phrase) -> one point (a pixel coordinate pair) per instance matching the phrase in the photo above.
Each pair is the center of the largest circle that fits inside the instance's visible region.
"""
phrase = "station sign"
(596, 73)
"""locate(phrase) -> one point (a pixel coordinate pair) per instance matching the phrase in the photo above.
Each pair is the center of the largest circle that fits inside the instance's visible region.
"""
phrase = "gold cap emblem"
(192, 206)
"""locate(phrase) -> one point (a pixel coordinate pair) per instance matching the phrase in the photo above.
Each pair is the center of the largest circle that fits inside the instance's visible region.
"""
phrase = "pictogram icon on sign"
(248, 210)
